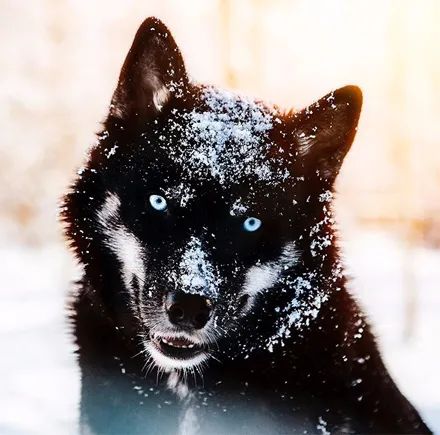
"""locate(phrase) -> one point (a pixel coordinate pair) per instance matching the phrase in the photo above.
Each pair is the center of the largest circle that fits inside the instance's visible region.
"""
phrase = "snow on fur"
(226, 139)
(196, 273)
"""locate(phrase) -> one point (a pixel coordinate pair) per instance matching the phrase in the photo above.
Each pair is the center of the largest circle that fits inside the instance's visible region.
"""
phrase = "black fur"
(276, 366)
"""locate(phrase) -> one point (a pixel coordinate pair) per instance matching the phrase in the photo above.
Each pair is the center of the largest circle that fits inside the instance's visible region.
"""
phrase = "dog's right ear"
(153, 70)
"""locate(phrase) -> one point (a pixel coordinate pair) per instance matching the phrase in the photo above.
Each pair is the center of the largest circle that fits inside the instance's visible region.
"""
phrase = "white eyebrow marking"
(263, 276)
(124, 244)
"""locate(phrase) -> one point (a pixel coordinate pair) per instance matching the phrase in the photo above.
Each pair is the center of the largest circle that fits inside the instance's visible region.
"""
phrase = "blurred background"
(59, 64)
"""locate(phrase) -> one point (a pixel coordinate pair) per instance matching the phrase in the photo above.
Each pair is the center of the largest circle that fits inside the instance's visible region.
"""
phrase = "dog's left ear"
(152, 72)
(324, 132)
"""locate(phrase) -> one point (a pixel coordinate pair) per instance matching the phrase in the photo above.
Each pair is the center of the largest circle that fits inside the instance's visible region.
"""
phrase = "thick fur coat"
(214, 298)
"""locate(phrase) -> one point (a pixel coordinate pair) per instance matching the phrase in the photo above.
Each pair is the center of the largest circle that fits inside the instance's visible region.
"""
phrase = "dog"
(214, 298)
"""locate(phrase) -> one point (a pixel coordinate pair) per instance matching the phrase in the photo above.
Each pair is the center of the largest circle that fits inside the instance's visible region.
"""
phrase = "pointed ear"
(325, 131)
(152, 72)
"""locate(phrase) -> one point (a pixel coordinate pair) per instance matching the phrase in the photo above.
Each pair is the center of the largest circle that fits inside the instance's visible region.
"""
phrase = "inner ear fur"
(324, 131)
(152, 73)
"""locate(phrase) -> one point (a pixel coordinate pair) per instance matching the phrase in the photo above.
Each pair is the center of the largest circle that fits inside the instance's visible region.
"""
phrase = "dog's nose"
(188, 310)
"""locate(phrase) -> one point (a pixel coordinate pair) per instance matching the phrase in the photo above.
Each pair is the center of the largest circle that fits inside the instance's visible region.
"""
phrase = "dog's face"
(196, 204)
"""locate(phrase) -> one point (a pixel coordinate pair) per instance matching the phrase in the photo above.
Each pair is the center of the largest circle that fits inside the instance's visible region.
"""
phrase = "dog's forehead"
(223, 138)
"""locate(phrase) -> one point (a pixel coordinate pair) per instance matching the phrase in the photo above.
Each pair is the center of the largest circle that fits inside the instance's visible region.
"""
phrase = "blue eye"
(251, 224)
(158, 202)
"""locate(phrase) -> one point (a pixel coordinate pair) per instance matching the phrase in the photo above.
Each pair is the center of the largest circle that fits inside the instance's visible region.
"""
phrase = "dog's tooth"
(173, 344)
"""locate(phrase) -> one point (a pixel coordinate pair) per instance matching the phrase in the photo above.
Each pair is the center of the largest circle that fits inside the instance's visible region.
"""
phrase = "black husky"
(214, 299)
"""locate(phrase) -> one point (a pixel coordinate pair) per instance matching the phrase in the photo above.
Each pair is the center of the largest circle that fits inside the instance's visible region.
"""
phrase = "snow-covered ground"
(39, 380)
(383, 267)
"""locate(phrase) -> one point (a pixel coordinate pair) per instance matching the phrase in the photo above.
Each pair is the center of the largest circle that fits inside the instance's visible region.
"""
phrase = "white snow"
(383, 266)
(39, 378)
(226, 140)
(123, 243)
(182, 193)
(197, 274)
(238, 208)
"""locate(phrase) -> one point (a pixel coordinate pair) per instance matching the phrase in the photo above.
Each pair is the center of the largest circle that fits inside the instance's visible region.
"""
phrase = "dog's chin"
(171, 352)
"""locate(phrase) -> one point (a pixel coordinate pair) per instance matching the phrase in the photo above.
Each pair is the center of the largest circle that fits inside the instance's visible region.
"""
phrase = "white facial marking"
(110, 209)
(124, 244)
(168, 364)
(263, 276)
(259, 278)
(130, 254)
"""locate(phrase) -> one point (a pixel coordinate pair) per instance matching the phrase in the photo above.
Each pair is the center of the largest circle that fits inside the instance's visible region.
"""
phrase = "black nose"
(188, 310)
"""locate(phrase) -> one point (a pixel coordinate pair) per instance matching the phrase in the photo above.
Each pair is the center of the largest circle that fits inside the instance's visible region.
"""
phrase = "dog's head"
(197, 207)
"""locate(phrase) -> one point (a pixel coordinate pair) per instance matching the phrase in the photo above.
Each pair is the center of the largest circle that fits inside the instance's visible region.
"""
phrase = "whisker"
(142, 351)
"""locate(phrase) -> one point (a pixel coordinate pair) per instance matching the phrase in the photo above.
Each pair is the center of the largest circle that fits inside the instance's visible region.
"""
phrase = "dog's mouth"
(177, 347)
